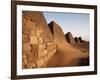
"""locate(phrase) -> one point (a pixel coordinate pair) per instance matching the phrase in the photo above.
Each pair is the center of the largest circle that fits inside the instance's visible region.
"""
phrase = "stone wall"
(38, 43)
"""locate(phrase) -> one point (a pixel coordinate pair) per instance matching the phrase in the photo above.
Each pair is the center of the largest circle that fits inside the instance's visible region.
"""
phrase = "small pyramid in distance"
(69, 38)
(80, 39)
(77, 40)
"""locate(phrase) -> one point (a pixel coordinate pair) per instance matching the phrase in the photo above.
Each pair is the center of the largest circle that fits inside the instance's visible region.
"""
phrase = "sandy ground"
(66, 55)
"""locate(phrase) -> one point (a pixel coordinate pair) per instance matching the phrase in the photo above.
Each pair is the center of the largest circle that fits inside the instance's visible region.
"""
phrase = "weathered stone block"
(34, 47)
(26, 47)
(25, 38)
(34, 65)
(40, 54)
(33, 40)
(40, 63)
(33, 32)
(41, 46)
(45, 52)
(50, 43)
(39, 40)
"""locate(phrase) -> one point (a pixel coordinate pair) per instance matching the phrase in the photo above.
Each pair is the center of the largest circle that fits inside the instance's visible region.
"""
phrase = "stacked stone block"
(38, 42)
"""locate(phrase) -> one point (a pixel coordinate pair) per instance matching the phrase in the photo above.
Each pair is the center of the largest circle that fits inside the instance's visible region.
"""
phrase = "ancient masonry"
(80, 39)
(57, 32)
(38, 42)
(77, 40)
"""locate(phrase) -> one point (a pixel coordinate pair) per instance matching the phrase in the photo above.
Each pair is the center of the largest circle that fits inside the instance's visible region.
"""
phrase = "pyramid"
(57, 32)
(70, 38)
(77, 40)
(80, 39)
(38, 42)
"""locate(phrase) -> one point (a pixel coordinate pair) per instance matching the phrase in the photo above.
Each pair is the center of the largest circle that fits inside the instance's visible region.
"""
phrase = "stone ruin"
(70, 38)
(38, 43)
(57, 32)
(80, 39)
(77, 40)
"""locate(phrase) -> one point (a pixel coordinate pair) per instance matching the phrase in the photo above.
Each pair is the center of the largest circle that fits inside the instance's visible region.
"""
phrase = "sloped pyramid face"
(38, 19)
(57, 32)
(69, 38)
(38, 42)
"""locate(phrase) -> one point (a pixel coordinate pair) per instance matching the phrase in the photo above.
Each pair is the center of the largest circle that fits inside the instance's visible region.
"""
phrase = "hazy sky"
(76, 23)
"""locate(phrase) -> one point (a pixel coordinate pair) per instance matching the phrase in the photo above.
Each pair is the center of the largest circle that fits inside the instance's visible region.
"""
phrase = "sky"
(76, 23)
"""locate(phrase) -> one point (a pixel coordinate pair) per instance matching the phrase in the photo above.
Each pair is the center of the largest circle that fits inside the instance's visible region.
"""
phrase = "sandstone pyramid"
(70, 38)
(77, 40)
(38, 42)
(57, 31)
(80, 39)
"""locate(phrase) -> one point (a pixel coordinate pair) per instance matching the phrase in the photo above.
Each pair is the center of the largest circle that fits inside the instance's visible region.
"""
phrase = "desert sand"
(66, 55)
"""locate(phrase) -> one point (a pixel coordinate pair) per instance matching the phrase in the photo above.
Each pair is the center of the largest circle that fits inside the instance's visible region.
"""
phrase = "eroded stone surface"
(57, 32)
(38, 42)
